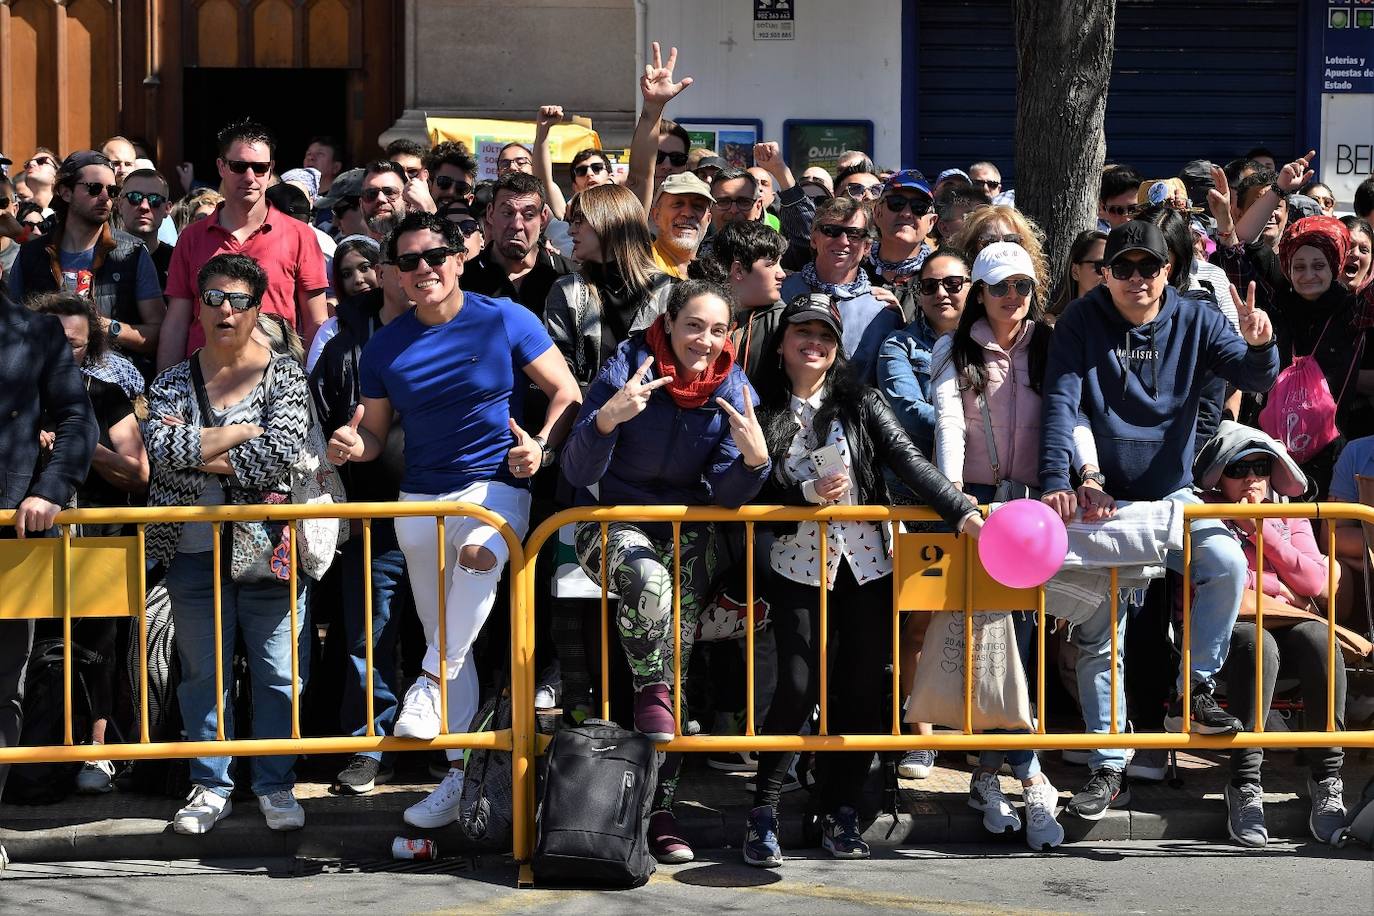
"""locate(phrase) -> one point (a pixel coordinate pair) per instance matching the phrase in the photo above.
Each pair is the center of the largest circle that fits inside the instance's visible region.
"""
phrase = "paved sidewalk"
(711, 810)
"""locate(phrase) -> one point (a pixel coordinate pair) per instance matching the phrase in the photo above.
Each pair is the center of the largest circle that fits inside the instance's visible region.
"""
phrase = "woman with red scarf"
(668, 421)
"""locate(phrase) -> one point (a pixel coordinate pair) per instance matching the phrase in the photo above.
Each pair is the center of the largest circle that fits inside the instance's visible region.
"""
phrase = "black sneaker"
(1106, 788)
(1208, 717)
(362, 775)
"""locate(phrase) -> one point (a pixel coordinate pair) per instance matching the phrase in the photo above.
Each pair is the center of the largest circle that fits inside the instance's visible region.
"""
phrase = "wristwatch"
(1096, 477)
(115, 328)
(548, 453)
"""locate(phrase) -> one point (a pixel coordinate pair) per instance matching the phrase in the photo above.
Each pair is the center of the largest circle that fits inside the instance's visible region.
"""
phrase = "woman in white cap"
(1243, 465)
(988, 376)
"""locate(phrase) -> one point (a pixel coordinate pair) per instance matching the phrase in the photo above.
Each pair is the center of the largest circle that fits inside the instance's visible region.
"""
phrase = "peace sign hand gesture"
(657, 84)
(1254, 323)
(747, 433)
(630, 401)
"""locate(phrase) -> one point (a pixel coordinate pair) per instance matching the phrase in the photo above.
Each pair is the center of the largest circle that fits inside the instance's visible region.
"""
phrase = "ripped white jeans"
(469, 593)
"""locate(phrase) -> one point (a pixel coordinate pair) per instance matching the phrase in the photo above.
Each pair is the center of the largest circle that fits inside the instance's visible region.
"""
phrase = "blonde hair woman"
(1004, 223)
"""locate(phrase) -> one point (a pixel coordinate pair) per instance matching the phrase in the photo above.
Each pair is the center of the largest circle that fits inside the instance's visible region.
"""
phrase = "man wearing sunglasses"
(246, 223)
(383, 201)
(1116, 196)
(40, 174)
(452, 173)
(904, 216)
(143, 205)
(85, 256)
(1133, 357)
(456, 368)
(10, 227)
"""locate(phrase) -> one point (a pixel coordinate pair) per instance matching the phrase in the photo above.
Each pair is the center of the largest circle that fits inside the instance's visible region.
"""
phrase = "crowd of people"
(696, 334)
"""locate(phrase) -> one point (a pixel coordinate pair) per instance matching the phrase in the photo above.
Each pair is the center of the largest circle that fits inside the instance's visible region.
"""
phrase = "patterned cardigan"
(281, 407)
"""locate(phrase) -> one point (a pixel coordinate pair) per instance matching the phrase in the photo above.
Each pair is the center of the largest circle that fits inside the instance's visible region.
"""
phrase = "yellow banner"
(484, 137)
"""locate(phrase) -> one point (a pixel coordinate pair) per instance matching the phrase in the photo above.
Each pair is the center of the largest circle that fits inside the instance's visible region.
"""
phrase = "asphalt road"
(1132, 877)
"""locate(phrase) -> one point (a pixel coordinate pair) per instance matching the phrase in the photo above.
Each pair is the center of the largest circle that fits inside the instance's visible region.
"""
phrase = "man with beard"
(85, 256)
(514, 264)
(679, 217)
(383, 205)
(245, 224)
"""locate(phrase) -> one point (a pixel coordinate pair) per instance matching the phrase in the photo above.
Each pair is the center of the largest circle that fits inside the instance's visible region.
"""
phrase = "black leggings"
(1299, 650)
(860, 647)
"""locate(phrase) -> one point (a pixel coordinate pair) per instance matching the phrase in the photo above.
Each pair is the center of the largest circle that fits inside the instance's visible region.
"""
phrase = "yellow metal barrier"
(49, 578)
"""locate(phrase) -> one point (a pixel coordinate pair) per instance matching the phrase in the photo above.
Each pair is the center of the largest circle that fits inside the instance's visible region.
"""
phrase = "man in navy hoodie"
(1134, 356)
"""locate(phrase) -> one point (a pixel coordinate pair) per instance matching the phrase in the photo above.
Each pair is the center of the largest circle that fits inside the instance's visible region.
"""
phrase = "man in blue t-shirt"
(452, 367)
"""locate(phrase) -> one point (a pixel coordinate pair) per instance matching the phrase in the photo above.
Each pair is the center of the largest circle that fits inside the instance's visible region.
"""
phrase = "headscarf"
(308, 178)
(1324, 233)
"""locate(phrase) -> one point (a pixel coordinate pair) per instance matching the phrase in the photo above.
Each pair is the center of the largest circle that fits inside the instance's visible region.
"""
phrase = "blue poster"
(1348, 46)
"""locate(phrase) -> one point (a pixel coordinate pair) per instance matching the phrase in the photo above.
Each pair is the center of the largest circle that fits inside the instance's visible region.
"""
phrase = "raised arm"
(657, 88)
(548, 116)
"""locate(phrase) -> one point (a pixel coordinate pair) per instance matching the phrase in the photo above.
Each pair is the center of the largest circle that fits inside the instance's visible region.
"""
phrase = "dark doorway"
(294, 104)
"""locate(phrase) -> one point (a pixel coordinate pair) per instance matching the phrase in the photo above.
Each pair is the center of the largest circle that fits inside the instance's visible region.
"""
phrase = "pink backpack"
(1300, 411)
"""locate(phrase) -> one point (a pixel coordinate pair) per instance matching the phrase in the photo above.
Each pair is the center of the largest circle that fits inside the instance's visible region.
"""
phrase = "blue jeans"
(261, 612)
(388, 575)
(1024, 764)
(1218, 578)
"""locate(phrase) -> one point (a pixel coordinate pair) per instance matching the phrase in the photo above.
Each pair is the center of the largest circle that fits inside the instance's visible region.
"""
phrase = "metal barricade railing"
(111, 582)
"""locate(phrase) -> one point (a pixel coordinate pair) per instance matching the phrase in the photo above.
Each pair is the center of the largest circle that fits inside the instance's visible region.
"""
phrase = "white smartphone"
(829, 462)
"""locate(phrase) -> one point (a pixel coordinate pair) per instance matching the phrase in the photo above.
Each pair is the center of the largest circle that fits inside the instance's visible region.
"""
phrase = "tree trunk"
(1063, 66)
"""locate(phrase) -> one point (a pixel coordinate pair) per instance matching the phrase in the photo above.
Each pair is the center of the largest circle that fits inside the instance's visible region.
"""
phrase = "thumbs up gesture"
(527, 456)
(347, 443)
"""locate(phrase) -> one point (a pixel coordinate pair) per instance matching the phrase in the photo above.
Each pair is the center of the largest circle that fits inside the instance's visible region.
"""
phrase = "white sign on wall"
(1347, 150)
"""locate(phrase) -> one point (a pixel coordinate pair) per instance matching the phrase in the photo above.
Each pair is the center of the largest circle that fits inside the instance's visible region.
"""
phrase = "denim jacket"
(904, 378)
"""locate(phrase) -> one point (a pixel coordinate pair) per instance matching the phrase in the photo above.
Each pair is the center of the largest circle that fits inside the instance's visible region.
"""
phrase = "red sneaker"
(654, 713)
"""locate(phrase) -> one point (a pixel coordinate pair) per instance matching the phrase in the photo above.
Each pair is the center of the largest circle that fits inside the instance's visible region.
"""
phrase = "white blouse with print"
(797, 556)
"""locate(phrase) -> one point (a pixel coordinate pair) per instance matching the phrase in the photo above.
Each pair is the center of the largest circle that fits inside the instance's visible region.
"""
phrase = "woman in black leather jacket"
(830, 438)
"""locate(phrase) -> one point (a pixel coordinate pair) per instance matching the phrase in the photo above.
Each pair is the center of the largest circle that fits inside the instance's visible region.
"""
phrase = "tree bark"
(1063, 66)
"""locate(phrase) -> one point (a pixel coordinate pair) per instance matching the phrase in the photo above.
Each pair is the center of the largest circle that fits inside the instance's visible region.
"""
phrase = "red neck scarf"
(693, 394)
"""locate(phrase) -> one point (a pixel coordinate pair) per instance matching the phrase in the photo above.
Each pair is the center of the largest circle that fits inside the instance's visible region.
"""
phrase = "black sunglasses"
(831, 231)
(677, 159)
(919, 206)
(986, 183)
(1259, 467)
(1099, 265)
(860, 191)
(1148, 269)
(466, 226)
(371, 194)
(993, 237)
(1023, 287)
(952, 285)
(239, 302)
(444, 182)
(94, 188)
(595, 168)
(238, 166)
(1120, 211)
(138, 197)
(40, 160)
(406, 263)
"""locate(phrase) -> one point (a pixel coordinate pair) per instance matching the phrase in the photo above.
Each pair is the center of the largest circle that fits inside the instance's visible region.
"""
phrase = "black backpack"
(592, 821)
(48, 783)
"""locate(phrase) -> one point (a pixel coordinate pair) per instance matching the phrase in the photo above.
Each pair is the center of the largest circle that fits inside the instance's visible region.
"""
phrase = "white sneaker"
(985, 795)
(96, 777)
(204, 809)
(1042, 830)
(419, 717)
(546, 694)
(281, 810)
(440, 807)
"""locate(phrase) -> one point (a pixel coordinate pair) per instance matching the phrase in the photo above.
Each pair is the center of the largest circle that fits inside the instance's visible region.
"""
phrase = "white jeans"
(468, 593)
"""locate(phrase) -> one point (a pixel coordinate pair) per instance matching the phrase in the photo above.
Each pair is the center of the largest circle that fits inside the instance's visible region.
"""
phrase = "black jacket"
(38, 379)
(878, 441)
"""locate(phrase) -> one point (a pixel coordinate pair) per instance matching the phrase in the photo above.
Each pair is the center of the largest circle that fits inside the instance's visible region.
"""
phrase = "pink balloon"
(1023, 544)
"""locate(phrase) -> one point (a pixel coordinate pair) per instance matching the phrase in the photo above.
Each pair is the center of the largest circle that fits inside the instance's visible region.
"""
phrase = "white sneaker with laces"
(1042, 830)
(985, 795)
(204, 809)
(440, 807)
(96, 777)
(281, 810)
(419, 717)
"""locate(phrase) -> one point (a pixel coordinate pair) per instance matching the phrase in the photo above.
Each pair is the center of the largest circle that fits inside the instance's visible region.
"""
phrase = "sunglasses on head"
(1258, 467)
(1148, 269)
(371, 194)
(444, 182)
(594, 168)
(832, 231)
(238, 166)
(986, 183)
(919, 206)
(1116, 210)
(138, 197)
(677, 159)
(992, 237)
(406, 263)
(239, 302)
(1023, 287)
(94, 188)
(860, 191)
(952, 285)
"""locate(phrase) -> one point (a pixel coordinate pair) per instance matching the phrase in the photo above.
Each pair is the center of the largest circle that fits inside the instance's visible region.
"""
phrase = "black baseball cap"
(73, 164)
(814, 307)
(1135, 235)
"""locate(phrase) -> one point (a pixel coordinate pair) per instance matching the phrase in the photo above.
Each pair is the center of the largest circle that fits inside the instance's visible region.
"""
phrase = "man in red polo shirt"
(245, 224)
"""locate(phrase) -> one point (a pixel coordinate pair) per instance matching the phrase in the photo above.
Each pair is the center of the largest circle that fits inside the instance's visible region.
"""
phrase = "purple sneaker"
(654, 713)
(666, 844)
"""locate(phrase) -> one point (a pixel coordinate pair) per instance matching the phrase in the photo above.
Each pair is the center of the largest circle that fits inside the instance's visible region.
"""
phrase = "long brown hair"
(617, 217)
